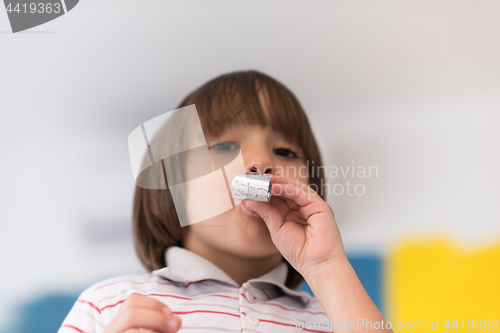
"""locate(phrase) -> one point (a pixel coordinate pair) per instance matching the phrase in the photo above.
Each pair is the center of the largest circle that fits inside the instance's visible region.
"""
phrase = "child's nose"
(254, 169)
(261, 164)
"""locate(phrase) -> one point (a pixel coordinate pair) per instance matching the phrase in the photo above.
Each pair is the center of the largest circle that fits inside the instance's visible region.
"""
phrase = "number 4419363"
(471, 324)
(35, 8)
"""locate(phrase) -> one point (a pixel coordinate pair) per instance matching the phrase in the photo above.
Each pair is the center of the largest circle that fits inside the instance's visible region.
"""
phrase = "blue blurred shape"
(45, 314)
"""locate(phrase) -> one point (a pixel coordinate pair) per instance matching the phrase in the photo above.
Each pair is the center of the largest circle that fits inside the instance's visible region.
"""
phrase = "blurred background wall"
(412, 88)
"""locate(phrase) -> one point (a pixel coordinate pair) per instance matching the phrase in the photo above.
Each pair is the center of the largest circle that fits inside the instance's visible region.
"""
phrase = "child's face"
(239, 231)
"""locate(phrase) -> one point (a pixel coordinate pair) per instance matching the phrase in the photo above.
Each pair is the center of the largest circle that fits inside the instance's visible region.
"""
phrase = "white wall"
(410, 87)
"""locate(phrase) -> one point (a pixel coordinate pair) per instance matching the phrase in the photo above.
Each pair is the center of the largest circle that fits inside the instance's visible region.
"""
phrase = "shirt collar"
(186, 266)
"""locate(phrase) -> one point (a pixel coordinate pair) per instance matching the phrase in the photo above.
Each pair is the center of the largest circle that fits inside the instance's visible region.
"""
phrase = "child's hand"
(303, 228)
(302, 225)
(139, 314)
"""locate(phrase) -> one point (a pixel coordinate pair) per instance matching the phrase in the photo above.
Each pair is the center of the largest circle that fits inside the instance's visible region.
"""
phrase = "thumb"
(269, 213)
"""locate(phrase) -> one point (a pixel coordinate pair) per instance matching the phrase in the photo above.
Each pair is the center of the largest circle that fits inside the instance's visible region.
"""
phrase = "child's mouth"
(248, 211)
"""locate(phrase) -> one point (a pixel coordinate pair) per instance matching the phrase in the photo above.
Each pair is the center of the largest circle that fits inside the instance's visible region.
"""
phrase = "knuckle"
(179, 321)
(134, 298)
(125, 307)
(129, 318)
(158, 321)
(129, 303)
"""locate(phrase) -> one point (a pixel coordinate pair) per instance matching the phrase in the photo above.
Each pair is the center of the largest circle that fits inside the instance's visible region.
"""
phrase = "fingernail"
(172, 324)
(167, 310)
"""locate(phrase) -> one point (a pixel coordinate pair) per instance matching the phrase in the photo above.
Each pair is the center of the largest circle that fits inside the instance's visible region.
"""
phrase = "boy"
(237, 270)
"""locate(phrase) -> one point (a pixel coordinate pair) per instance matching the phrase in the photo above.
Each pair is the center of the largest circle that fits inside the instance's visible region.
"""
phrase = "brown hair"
(224, 101)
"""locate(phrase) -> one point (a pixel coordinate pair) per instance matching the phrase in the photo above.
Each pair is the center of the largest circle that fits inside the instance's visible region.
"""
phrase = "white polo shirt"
(205, 298)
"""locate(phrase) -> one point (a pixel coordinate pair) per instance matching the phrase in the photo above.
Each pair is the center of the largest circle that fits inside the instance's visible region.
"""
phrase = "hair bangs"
(250, 98)
(285, 115)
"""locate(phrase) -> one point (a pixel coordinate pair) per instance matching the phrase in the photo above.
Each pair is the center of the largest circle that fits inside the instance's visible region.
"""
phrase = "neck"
(239, 268)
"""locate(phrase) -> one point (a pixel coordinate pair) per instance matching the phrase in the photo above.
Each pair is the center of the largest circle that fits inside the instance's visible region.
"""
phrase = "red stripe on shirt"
(267, 295)
(190, 298)
(165, 295)
(89, 303)
(206, 311)
(190, 283)
(314, 313)
(143, 282)
(73, 327)
(287, 325)
(244, 296)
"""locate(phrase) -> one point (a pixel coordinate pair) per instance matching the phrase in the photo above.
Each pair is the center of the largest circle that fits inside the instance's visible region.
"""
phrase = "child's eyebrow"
(289, 142)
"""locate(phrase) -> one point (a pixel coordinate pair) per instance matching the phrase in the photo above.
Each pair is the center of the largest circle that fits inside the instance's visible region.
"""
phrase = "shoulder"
(114, 291)
(106, 296)
(126, 282)
(98, 304)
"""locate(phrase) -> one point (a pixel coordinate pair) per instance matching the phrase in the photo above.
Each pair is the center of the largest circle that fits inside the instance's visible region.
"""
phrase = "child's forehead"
(226, 111)
(241, 130)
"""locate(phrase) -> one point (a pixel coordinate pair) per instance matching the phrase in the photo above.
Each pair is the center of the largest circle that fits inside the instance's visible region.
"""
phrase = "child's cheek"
(298, 171)
(206, 197)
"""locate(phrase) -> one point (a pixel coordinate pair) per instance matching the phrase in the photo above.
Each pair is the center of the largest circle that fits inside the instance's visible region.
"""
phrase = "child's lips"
(248, 211)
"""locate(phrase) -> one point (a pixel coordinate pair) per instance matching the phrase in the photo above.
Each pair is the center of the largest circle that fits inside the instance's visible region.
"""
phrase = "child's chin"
(257, 238)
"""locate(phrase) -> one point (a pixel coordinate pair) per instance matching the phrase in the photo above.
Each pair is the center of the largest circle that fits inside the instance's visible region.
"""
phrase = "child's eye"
(285, 152)
(225, 146)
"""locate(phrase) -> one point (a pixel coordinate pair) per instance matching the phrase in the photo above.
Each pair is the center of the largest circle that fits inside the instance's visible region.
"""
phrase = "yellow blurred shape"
(434, 280)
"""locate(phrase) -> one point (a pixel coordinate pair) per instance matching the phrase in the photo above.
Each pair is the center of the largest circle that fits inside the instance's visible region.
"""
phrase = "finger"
(286, 180)
(301, 195)
(303, 186)
(136, 301)
(175, 324)
(309, 201)
(287, 213)
(296, 217)
(269, 213)
(146, 319)
(292, 204)
(283, 183)
(281, 204)
(284, 204)
(282, 179)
